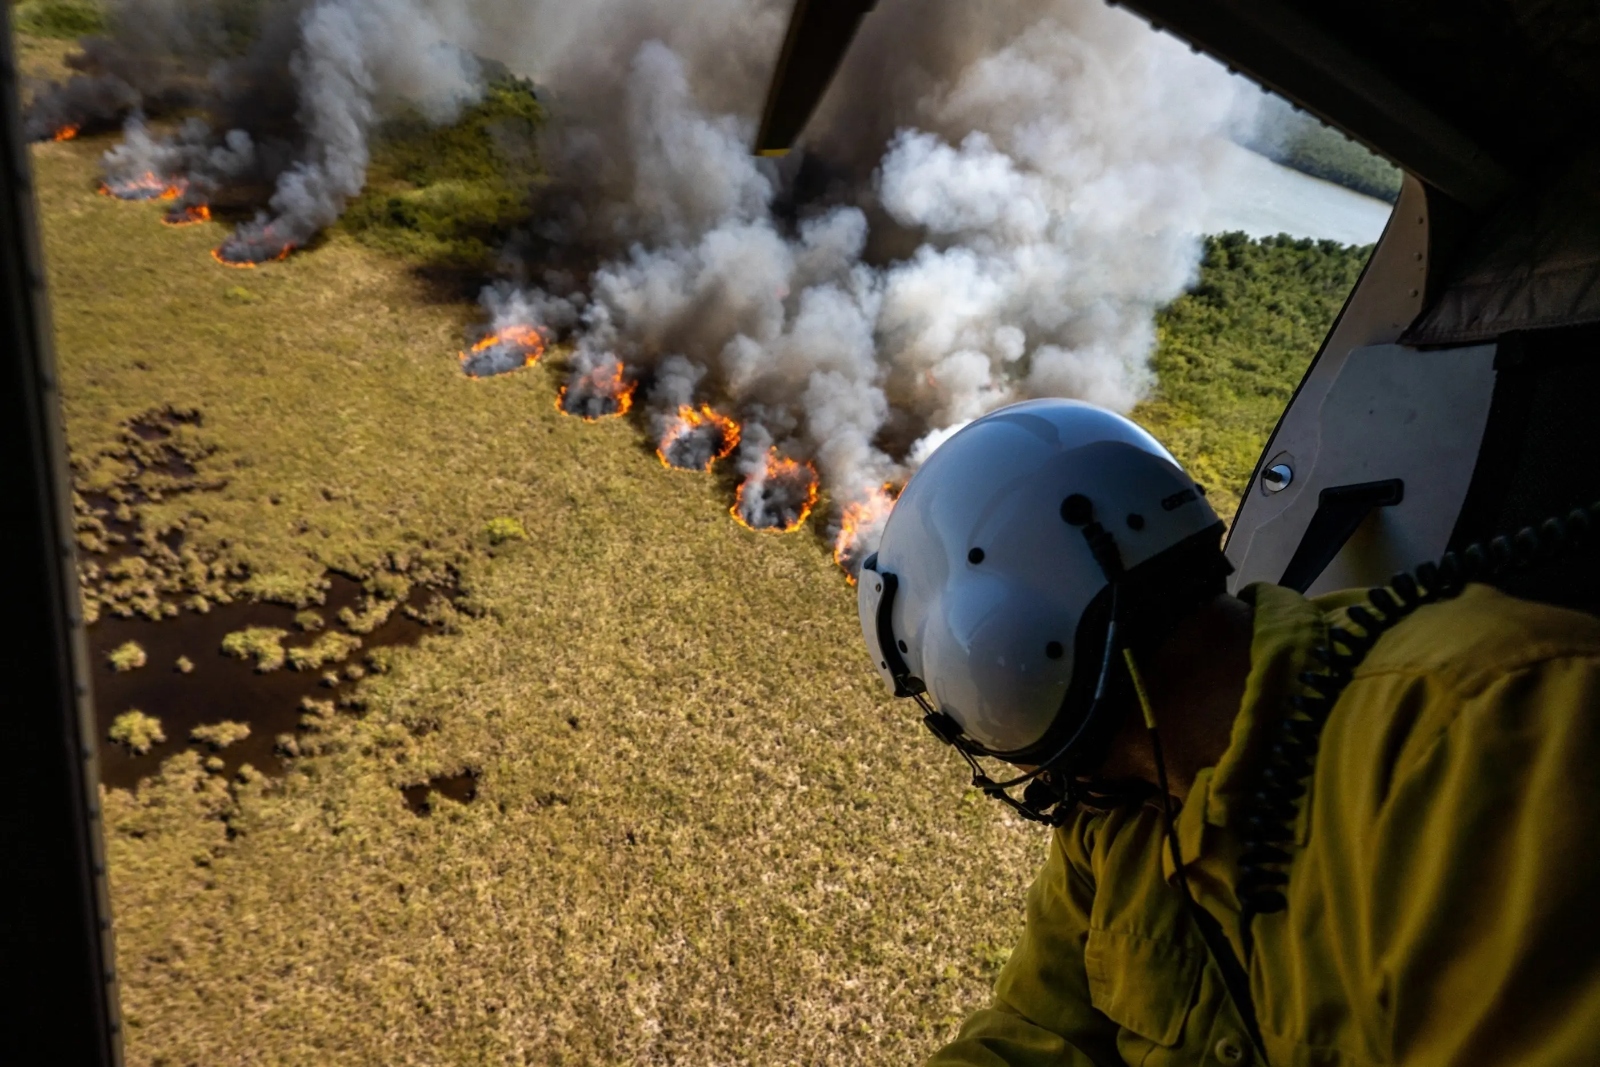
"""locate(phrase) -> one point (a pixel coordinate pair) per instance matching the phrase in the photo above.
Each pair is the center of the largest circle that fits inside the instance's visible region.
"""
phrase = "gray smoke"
(293, 113)
(352, 56)
(992, 205)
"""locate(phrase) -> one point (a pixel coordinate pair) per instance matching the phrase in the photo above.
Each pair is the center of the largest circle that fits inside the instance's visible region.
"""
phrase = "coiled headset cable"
(1274, 804)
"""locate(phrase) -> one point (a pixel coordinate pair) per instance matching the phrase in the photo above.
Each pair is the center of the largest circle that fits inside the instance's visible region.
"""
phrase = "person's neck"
(1195, 680)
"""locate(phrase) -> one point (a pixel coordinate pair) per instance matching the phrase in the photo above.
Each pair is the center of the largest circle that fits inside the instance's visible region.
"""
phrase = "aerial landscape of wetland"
(470, 693)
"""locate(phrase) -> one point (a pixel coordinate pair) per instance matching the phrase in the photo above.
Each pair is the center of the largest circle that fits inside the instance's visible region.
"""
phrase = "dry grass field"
(700, 834)
(696, 830)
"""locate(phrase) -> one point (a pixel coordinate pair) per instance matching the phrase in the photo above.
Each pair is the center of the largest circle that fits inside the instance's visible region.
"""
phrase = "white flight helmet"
(992, 555)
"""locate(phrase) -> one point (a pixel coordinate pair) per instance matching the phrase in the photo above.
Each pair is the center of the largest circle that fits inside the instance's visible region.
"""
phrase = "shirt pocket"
(1144, 986)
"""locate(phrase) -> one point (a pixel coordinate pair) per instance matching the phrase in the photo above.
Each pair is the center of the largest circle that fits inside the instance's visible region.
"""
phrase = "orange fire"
(189, 216)
(248, 264)
(66, 133)
(528, 338)
(689, 421)
(147, 186)
(789, 477)
(598, 383)
(858, 522)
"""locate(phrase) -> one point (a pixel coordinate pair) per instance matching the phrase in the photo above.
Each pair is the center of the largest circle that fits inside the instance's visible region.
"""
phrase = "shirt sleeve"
(1486, 878)
(1041, 1012)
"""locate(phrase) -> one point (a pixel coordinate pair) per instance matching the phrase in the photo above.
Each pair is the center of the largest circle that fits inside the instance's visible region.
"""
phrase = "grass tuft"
(500, 530)
(264, 644)
(128, 656)
(329, 648)
(62, 19)
(220, 735)
(137, 731)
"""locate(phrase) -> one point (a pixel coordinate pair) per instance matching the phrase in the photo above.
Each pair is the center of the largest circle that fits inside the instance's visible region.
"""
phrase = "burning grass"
(696, 439)
(860, 524)
(602, 393)
(146, 186)
(697, 823)
(777, 497)
(504, 351)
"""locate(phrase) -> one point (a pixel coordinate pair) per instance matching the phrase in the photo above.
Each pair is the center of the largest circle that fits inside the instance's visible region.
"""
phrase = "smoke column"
(991, 206)
(293, 112)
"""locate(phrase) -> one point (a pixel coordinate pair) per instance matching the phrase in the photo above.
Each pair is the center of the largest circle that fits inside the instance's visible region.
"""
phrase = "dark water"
(462, 788)
(221, 687)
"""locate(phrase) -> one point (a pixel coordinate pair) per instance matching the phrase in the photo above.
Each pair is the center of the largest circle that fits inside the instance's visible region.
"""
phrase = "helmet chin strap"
(1046, 805)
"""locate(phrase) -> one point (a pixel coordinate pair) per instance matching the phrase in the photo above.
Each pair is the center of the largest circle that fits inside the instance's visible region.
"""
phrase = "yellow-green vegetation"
(220, 735)
(701, 829)
(329, 648)
(309, 621)
(1233, 349)
(448, 196)
(62, 19)
(698, 824)
(137, 731)
(128, 656)
(264, 644)
(184, 665)
(502, 529)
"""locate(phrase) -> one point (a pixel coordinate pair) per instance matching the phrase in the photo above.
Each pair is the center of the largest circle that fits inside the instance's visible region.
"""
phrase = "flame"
(858, 521)
(528, 338)
(599, 383)
(188, 216)
(147, 186)
(779, 469)
(689, 419)
(66, 133)
(249, 264)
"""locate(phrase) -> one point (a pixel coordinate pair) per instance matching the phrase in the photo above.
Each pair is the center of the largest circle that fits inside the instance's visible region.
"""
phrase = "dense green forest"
(1232, 350)
(1297, 140)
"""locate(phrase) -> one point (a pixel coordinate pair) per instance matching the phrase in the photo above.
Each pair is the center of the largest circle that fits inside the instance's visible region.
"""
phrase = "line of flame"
(249, 264)
(529, 338)
(67, 132)
(170, 189)
(859, 518)
(192, 215)
(776, 467)
(690, 419)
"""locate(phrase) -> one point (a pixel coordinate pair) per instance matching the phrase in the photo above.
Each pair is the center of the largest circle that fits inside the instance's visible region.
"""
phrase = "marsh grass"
(137, 731)
(700, 833)
(220, 735)
(264, 644)
(128, 656)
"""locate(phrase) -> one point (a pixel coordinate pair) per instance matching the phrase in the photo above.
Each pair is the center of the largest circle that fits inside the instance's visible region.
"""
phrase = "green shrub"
(503, 529)
(448, 195)
(59, 18)
(329, 648)
(1232, 350)
(128, 656)
(1301, 142)
(136, 730)
(264, 644)
(220, 735)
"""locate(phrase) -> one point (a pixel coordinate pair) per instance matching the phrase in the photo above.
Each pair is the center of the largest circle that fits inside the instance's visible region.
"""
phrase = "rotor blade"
(820, 32)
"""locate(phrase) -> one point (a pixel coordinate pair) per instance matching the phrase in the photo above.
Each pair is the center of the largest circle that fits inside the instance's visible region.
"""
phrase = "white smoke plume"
(353, 54)
(999, 218)
(295, 112)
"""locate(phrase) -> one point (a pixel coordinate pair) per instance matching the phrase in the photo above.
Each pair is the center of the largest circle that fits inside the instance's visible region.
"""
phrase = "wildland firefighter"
(1386, 803)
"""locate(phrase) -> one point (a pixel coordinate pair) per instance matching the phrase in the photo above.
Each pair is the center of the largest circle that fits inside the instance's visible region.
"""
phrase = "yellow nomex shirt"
(1444, 895)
